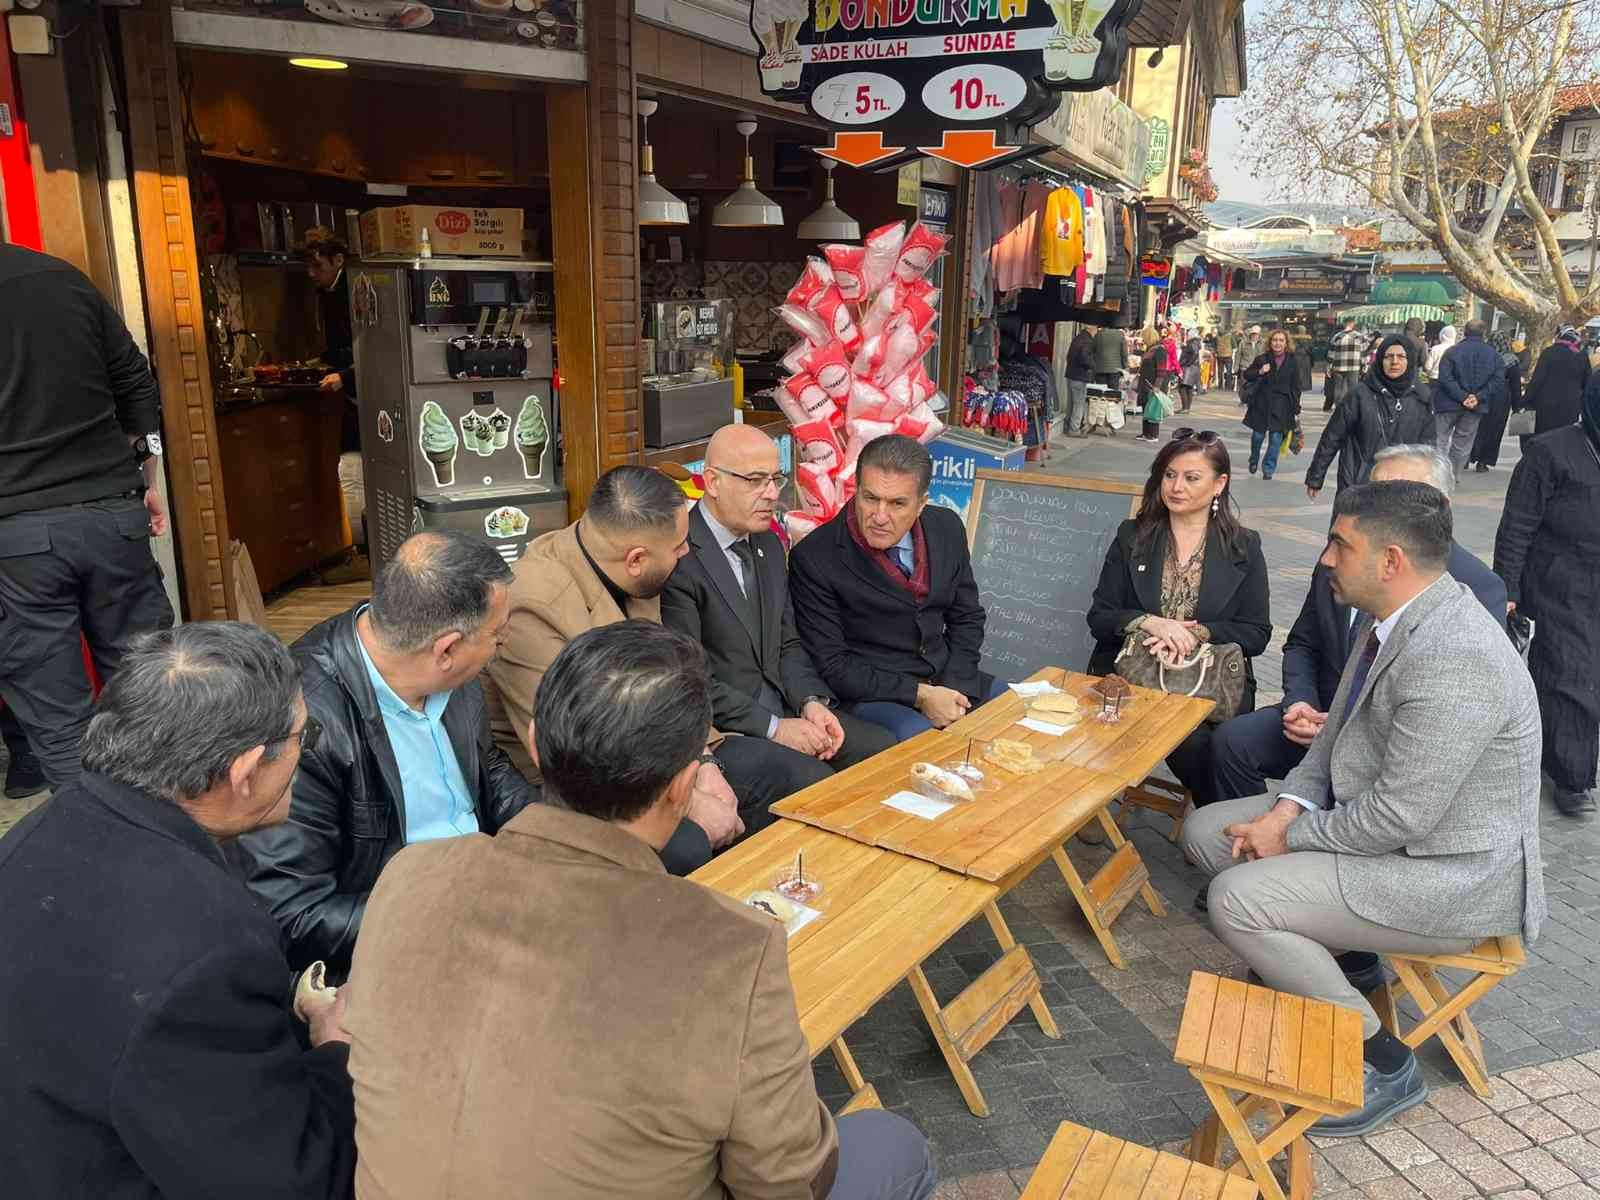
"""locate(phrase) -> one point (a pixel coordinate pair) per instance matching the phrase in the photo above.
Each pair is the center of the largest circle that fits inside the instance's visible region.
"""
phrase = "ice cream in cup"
(501, 425)
(439, 443)
(532, 436)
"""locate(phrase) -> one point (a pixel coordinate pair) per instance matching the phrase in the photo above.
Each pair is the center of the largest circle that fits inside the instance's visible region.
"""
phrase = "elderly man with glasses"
(149, 1043)
(730, 593)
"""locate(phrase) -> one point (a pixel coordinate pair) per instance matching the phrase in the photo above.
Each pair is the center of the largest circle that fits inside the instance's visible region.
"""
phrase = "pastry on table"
(943, 783)
(1016, 757)
(1054, 708)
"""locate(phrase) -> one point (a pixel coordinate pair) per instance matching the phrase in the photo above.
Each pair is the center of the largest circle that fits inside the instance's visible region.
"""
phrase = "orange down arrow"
(968, 147)
(859, 149)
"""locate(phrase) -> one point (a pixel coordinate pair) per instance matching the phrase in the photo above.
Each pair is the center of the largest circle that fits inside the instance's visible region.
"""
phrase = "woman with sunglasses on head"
(1272, 388)
(1181, 574)
(1389, 406)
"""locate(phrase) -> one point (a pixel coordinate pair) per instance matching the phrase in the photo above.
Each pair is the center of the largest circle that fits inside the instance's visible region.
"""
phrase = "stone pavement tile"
(1021, 1143)
(1343, 1193)
(1495, 1136)
(1439, 1181)
(1577, 1110)
(1540, 1168)
(1444, 1139)
(1356, 1162)
(1536, 1124)
(1574, 1191)
(1579, 1154)
(1391, 1187)
(948, 1189)
(1457, 1105)
(1573, 1073)
(992, 1185)
(1536, 1083)
(1400, 1149)
(1489, 1175)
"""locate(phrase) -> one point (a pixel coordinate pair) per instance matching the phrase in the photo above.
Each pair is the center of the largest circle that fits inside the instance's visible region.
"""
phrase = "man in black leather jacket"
(404, 752)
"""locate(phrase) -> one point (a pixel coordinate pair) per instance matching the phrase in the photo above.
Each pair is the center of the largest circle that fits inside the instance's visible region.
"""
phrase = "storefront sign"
(1160, 146)
(908, 184)
(551, 24)
(960, 80)
(1155, 270)
(934, 206)
(1101, 132)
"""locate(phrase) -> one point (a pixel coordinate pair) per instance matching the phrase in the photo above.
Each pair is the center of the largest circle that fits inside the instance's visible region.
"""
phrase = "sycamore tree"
(1441, 113)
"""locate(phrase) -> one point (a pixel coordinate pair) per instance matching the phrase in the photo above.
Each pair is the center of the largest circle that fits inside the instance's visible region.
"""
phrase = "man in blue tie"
(1412, 824)
(885, 599)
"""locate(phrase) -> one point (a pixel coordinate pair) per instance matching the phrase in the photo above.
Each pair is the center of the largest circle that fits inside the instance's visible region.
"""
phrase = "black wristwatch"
(825, 701)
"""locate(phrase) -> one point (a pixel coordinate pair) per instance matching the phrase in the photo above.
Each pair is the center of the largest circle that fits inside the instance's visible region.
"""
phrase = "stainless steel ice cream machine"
(459, 427)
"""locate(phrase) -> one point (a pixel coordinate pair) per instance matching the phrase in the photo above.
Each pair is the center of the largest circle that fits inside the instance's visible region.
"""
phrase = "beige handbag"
(1212, 673)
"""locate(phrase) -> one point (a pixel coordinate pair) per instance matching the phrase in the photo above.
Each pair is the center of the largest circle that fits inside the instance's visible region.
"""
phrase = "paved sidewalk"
(1538, 1136)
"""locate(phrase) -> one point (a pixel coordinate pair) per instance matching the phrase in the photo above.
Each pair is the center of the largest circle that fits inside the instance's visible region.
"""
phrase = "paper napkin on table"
(919, 805)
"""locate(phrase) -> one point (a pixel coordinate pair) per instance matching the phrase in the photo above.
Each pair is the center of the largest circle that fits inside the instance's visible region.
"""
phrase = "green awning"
(1437, 290)
(1375, 316)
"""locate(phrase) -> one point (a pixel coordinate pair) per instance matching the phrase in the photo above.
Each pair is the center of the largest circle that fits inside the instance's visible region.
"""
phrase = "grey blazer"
(1436, 772)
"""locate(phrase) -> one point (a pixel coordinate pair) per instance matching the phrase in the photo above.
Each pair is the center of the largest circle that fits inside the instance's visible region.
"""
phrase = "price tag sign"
(961, 80)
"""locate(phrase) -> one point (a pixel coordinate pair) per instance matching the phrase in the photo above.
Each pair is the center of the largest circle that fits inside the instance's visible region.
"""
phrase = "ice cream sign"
(961, 80)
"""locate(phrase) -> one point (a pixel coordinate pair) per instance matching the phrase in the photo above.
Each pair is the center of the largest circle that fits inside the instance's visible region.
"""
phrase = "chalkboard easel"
(1038, 543)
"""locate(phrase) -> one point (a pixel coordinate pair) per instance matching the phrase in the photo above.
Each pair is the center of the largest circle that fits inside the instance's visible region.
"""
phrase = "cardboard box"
(451, 230)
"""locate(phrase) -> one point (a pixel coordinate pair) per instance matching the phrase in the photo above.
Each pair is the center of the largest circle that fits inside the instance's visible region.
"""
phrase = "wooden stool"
(1296, 1059)
(1445, 1015)
(1089, 1165)
(1162, 796)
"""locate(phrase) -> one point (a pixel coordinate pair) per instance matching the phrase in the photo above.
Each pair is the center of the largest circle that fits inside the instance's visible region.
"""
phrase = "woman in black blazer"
(1184, 572)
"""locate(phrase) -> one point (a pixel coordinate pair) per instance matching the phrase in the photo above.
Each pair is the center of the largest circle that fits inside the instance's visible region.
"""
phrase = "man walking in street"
(1110, 356)
(80, 420)
(1344, 364)
(1249, 348)
(1471, 378)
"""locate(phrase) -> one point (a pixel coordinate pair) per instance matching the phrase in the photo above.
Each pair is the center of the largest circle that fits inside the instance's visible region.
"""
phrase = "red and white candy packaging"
(883, 251)
(819, 444)
(845, 483)
(901, 348)
(835, 313)
(802, 399)
(867, 403)
(797, 359)
(814, 280)
(831, 367)
(807, 324)
(859, 434)
(876, 316)
(921, 423)
(798, 524)
(818, 494)
(848, 264)
(922, 246)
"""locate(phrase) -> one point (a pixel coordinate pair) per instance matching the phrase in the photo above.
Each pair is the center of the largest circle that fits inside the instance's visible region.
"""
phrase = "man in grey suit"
(1412, 822)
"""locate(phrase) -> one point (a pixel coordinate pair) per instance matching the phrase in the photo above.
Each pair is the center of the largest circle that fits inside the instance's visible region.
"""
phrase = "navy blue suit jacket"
(1318, 645)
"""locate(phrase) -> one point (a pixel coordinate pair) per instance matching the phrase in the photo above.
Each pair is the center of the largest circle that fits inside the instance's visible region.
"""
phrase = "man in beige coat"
(610, 565)
(547, 1013)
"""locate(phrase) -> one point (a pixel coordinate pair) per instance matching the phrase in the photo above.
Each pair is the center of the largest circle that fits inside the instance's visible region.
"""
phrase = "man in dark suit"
(730, 593)
(1270, 742)
(885, 599)
(149, 1043)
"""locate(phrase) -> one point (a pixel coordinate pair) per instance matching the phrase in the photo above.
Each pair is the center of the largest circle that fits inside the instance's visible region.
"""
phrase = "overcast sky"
(1228, 165)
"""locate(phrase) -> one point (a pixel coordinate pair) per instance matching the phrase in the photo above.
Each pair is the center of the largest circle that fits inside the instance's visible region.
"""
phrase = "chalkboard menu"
(1038, 542)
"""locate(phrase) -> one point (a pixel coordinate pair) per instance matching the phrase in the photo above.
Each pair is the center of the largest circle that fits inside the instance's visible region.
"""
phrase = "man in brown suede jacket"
(576, 1023)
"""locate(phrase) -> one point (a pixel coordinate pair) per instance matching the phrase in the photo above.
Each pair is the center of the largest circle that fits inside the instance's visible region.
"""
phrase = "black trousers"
(762, 772)
(83, 569)
(1249, 750)
(1569, 711)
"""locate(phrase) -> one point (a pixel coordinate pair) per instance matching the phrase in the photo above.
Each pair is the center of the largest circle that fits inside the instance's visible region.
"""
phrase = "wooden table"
(1152, 726)
(1003, 836)
(883, 914)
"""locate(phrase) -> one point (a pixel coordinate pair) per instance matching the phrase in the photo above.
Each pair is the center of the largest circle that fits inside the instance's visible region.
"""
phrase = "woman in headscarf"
(1555, 392)
(1389, 406)
(1188, 372)
(1548, 552)
(1151, 377)
(1447, 338)
(1492, 429)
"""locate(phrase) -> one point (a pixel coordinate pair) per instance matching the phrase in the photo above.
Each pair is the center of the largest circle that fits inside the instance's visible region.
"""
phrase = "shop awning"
(1372, 316)
(1416, 289)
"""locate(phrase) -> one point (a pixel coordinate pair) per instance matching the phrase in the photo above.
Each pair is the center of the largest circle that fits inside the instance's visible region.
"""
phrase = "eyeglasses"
(759, 480)
(1204, 436)
(307, 735)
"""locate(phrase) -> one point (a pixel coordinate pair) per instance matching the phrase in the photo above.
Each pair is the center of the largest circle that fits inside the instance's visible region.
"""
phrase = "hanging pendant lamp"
(747, 208)
(830, 223)
(657, 206)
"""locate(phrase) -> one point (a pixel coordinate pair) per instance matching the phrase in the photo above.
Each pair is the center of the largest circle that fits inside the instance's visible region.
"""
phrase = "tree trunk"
(1541, 333)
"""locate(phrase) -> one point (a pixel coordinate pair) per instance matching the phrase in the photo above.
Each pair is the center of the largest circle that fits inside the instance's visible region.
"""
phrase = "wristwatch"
(825, 701)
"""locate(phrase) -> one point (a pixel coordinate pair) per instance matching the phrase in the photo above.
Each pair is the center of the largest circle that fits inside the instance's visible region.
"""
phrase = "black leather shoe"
(24, 777)
(1200, 898)
(1386, 1096)
(1571, 804)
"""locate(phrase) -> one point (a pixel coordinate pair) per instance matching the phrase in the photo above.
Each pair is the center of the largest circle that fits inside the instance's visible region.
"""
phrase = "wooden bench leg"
(1205, 1146)
(1002, 934)
(1088, 905)
(1152, 899)
(863, 1094)
(1445, 1016)
(931, 1012)
(1382, 1001)
(1244, 1141)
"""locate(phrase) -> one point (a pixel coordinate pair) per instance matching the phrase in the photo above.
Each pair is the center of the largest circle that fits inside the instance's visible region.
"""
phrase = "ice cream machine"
(459, 428)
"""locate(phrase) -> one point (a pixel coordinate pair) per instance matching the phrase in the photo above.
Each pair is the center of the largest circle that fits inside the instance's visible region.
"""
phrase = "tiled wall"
(757, 288)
